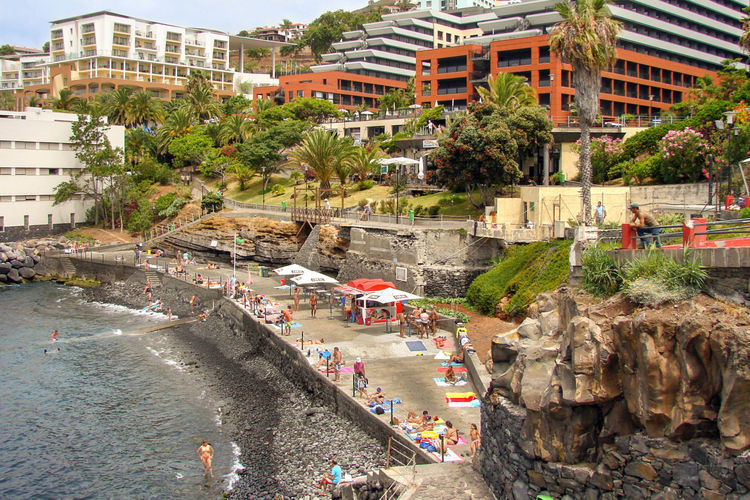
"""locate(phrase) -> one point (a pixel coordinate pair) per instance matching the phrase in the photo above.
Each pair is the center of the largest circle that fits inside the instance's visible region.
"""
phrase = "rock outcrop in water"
(17, 263)
(584, 380)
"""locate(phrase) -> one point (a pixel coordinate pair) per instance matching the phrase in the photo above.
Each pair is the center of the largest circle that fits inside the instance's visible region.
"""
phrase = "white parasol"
(291, 270)
(389, 296)
(399, 160)
(314, 278)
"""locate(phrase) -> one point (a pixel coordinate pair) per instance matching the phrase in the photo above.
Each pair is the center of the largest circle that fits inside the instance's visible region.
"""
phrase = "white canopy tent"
(389, 296)
(398, 160)
(314, 278)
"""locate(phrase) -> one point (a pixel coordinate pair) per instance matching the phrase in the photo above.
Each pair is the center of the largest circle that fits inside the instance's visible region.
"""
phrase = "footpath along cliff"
(607, 400)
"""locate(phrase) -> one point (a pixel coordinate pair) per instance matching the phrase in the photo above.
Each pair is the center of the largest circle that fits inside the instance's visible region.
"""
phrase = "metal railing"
(693, 233)
(399, 454)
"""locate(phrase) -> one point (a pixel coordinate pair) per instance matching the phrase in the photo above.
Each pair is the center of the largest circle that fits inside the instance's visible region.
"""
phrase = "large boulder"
(5, 267)
(14, 276)
(27, 273)
(17, 264)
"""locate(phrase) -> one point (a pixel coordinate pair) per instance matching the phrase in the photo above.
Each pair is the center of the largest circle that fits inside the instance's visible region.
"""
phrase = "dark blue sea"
(111, 415)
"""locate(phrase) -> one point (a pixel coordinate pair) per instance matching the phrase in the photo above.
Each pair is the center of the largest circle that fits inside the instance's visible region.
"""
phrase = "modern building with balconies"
(102, 51)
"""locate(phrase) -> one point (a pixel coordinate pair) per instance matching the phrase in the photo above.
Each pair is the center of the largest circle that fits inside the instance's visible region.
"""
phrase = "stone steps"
(69, 269)
(154, 276)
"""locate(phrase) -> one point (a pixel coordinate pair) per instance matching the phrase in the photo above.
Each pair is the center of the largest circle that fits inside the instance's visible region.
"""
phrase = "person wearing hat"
(645, 224)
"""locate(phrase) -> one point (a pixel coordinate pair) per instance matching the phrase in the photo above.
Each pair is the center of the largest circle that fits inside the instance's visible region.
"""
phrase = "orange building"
(637, 84)
(346, 90)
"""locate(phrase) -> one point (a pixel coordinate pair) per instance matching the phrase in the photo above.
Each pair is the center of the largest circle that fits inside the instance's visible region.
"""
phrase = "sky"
(27, 25)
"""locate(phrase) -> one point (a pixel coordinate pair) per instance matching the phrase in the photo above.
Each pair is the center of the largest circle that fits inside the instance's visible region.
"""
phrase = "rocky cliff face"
(586, 377)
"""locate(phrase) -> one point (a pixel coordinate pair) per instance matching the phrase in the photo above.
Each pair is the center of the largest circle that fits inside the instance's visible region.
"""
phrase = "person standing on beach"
(147, 289)
(287, 330)
(434, 318)
(337, 363)
(296, 299)
(206, 452)
(313, 304)
(401, 324)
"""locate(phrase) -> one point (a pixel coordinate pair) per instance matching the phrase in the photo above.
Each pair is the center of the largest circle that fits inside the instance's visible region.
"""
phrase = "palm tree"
(587, 39)
(34, 102)
(241, 173)
(745, 37)
(235, 128)
(508, 91)
(116, 105)
(178, 123)
(202, 103)
(138, 145)
(143, 109)
(322, 152)
(364, 161)
(65, 101)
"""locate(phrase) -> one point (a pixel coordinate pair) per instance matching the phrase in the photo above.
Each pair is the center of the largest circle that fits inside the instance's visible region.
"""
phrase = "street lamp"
(262, 184)
(398, 169)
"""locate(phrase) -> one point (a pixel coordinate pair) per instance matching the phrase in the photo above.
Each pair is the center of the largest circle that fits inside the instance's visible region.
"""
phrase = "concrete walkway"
(389, 363)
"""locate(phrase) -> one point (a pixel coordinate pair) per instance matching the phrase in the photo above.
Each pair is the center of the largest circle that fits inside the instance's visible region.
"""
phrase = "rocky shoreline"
(287, 437)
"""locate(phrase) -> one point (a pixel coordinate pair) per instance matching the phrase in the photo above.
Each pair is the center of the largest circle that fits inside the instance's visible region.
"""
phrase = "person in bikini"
(475, 439)
(206, 452)
(54, 336)
(451, 434)
(313, 304)
(450, 376)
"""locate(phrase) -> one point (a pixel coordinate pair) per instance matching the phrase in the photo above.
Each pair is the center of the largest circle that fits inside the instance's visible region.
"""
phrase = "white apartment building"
(19, 71)
(102, 51)
(36, 156)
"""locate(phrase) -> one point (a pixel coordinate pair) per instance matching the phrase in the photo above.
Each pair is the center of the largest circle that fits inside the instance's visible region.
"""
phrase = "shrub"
(601, 274)
(683, 154)
(174, 208)
(366, 184)
(433, 210)
(278, 190)
(163, 201)
(656, 278)
(212, 202)
(524, 272)
(557, 178)
(744, 213)
(141, 218)
(605, 151)
(618, 169)
(642, 169)
(362, 203)
(652, 292)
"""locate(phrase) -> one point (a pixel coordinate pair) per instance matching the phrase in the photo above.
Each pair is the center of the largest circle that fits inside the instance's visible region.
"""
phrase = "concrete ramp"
(431, 481)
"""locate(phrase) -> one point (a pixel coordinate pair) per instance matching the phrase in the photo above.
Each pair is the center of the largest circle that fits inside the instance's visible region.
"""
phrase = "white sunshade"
(415, 106)
(313, 278)
(399, 160)
(389, 296)
(291, 269)
(367, 113)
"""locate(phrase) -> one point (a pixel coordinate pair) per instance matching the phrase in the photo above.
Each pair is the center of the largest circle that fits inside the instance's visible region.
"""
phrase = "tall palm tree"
(177, 124)
(66, 101)
(202, 103)
(508, 91)
(586, 38)
(143, 109)
(138, 145)
(235, 128)
(34, 102)
(116, 105)
(323, 153)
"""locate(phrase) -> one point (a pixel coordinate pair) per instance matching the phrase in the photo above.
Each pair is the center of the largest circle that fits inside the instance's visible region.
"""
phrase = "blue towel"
(445, 363)
(415, 345)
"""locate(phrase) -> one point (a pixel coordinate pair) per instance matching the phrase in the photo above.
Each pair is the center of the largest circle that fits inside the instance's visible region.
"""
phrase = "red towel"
(460, 400)
(456, 369)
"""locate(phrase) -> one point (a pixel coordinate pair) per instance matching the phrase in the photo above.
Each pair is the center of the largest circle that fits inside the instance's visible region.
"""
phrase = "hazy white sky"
(27, 23)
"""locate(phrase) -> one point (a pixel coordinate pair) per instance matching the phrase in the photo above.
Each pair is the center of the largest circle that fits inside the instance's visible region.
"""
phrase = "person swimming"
(206, 452)
(54, 336)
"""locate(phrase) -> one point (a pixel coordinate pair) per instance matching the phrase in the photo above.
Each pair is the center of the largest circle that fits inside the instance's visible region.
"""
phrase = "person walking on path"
(288, 316)
(645, 224)
(600, 212)
(206, 452)
(313, 304)
(296, 299)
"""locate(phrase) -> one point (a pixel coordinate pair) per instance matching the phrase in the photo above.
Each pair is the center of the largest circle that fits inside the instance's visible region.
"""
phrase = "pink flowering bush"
(606, 151)
(683, 156)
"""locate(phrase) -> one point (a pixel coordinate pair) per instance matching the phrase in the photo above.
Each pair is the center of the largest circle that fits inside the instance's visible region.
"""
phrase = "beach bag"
(379, 410)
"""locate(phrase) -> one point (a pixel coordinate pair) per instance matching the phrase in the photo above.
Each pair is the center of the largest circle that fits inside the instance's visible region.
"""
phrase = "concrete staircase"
(69, 269)
(155, 278)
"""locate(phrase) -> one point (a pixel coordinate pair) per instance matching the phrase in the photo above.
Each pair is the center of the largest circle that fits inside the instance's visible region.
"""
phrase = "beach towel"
(450, 456)
(458, 397)
(442, 343)
(346, 369)
(445, 363)
(457, 369)
(415, 345)
(309, 342)
(387, 403)
(440, 382)
(442, 355)
(471, 404)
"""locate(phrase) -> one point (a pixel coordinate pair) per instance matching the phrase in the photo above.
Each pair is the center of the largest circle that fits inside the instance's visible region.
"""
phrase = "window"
(25, 145)
(6, 171)
(300, 93)
(49, 146)
(6, 144)
(53, 171)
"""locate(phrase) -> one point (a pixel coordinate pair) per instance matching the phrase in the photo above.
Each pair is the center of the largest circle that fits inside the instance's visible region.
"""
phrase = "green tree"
(116, 105)
(7, 50)
(399, 98)
(328, 28)
(139, 144)
(65, 101)
(322, 152)
(586, 38)
(202, 103)
(212, 202)
(745, 37)
(45, 47)
(238, 104)
(508, 91)
(192, 148)
(178, 123)
(241, 173)
(140, 219)
(235, 129)
(143, 109)
(262, 154)
(309, 108)
(364, 161)
(7, 101)
(478, 153)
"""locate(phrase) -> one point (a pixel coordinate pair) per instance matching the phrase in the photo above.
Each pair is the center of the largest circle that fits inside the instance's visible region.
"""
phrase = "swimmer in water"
(206, 452)
(55, 335)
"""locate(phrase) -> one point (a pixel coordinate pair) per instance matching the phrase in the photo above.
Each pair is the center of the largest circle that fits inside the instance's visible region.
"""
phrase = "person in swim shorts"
(206, 452)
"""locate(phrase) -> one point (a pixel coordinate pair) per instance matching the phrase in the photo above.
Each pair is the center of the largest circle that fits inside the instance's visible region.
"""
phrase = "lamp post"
(262, 184)
(397, 186)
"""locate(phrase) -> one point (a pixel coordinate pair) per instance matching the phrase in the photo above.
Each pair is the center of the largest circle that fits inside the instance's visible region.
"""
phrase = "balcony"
(143, 46)
(58, 46)
(144, 34)
(120, 28)
(173, 49)
(194, 43)
(88, 41)
(87, 28)
(451, 90)
(220, 44)
(55, 35)
(174, 37)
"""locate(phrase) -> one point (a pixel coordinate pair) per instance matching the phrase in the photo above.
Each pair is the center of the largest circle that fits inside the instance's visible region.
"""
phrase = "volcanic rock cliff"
(583, 378)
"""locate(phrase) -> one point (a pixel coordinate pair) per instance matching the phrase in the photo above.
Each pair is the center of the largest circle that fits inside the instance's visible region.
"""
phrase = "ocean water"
(110, 415)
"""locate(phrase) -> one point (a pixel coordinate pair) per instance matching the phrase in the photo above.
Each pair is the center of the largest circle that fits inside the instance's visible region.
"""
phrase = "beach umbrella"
(389, 296)
(415, 106)
(398, 160)
(314, 278)
(291, 270)
(368, 113)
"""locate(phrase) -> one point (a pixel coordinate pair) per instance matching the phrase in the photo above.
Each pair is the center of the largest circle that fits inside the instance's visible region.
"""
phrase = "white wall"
(48, 134)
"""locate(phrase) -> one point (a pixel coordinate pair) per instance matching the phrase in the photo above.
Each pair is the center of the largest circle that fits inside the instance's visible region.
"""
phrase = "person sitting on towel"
(450, 376)
(413, 418)
(429, 425)
(325, 355)
(457, 358)
(377, 397)
(451, 433)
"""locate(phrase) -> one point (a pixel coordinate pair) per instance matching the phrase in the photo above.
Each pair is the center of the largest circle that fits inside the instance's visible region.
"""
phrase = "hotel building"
(102, 51)
(664, 47)
(36, 156)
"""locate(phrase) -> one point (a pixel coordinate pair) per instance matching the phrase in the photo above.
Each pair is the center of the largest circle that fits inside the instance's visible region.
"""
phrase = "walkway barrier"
(399, 454)
(694, 233)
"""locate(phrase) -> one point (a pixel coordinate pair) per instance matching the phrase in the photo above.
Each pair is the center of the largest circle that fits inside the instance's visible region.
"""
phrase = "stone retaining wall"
(634, 467)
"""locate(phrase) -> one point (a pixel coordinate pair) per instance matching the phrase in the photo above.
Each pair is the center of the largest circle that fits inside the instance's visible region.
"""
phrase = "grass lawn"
(450, 203)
